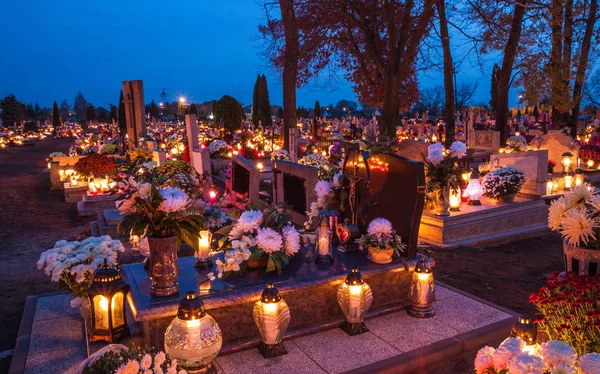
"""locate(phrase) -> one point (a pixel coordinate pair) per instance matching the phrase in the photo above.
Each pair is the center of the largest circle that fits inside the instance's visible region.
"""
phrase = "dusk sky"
(201, 48)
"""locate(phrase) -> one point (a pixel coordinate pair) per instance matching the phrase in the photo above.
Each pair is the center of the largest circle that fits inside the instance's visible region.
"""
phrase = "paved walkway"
(396, 342)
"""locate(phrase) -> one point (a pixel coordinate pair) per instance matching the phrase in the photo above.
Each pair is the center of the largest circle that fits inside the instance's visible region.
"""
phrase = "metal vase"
(443, 201)
(163, 269)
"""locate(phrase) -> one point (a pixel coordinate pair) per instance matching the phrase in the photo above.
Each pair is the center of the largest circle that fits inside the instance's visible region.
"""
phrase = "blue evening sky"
(201, 48)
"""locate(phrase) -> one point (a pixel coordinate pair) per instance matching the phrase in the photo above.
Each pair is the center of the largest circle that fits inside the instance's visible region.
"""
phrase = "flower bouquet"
(381, 241)
(553, 356)
(258, 239)
(576, 216)
(329, 196)
(443, 172)
(119, 359)
(72, 264)
(326, 169)
(218, 149)
(516, 143)
(570, 310)
(280, 155)
(503, 184)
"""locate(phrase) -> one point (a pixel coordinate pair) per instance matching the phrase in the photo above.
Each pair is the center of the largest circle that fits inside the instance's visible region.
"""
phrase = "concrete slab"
(112, 216)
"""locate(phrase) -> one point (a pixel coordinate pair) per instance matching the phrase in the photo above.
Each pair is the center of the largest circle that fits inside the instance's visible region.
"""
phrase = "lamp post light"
(272, 317)
(193, 337)
(107, 302)
(354, 297)
(422, 290)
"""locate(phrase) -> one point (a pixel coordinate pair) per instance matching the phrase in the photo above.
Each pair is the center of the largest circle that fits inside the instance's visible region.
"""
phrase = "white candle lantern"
(324, 242)
(354, 297)
(422, 290)
(455, 199)
(193, 338)
(474, 191)
(272, 317)
(203, 260)
(568, 182)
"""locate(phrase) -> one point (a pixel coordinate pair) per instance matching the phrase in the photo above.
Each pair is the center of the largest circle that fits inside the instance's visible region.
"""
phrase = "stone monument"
(133, 97)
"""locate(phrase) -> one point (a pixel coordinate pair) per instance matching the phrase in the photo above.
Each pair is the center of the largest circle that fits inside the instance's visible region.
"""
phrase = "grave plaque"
(397, 193)
(558, 143)
(294, 184)
(244, 181)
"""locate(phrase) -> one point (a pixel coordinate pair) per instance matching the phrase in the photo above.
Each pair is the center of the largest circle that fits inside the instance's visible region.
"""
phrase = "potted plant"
(576, 216)
(381, 241)
(117, 358)
(516, 143)
(503, 184)
(257, 240)
(163, 214)
(443, 172)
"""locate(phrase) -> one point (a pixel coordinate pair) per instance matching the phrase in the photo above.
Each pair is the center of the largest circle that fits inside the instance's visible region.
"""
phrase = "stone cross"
(199, 157)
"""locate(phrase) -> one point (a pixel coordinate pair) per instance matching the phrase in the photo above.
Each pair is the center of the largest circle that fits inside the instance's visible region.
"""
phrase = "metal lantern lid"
(106, 273)
(423, 266)
(191, 307)
(354, 278)
(270, 294)
(525, 329)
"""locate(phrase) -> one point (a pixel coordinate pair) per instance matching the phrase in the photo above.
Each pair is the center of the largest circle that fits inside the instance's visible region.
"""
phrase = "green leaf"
(271, 264)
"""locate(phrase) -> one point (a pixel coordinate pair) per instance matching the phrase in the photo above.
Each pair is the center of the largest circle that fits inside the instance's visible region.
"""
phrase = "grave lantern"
(549, 186)
(107, 302)
(272, 317)
(203, 257)
(566, 161)
(590, 163)
(324, 242)
(526, 330)
(422, 290)
(578, 177)
(474, 191)
(568, 182)
(455, 199)
(193, 337)
(354, 297)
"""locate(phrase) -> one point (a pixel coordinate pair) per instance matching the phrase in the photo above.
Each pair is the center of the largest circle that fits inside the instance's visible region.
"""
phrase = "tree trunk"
(583, 61)
(290, 68)
(510, 52)
(448, 74)
(391, 104)
(556, 63)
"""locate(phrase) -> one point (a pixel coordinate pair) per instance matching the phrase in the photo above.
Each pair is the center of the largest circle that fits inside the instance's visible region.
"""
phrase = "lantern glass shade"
(525, 329)
(474, 191)
(578, 178)
(355, 301)
(455, 199)
(107, 302)
(272, 316)
(193, 337)
(422, 290)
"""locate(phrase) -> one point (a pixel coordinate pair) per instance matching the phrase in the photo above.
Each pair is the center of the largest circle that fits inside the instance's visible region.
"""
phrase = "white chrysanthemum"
(160, 358)
(291, 240)
(379, 227)
(557, 354)
(484, 360)
(578, 227)
(250, 221)
(322, 188)
(144, 190)
(556, 213)
(458, 149)
(526, 364)
(506, 351)
(269, 240)
(174, 199)
(582, 193)
(589, 363)
(435, 153)
(146, 362)
(131, 367)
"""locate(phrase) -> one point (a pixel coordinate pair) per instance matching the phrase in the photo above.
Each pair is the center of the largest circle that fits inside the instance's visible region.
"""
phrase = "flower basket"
(581, 260)
(381, 256)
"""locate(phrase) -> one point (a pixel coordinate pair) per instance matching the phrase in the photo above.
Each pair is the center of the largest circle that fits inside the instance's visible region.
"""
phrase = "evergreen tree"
(494, 89)
(256, 104)
(37, 110)
(80, 106)
(112, 113)
(121, 115)
(317, 109)
(536, 112)
(55, 116)
(90, 113)
(280, 112)
(229, 111)
(65, 109)
(193, 109)
(265, 103)
(11, 111)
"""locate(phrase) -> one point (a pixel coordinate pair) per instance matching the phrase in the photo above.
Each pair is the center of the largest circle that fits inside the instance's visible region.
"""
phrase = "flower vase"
(381, 256)
(163, 269)
(582, 261)
(443, 201)
(258, 263)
